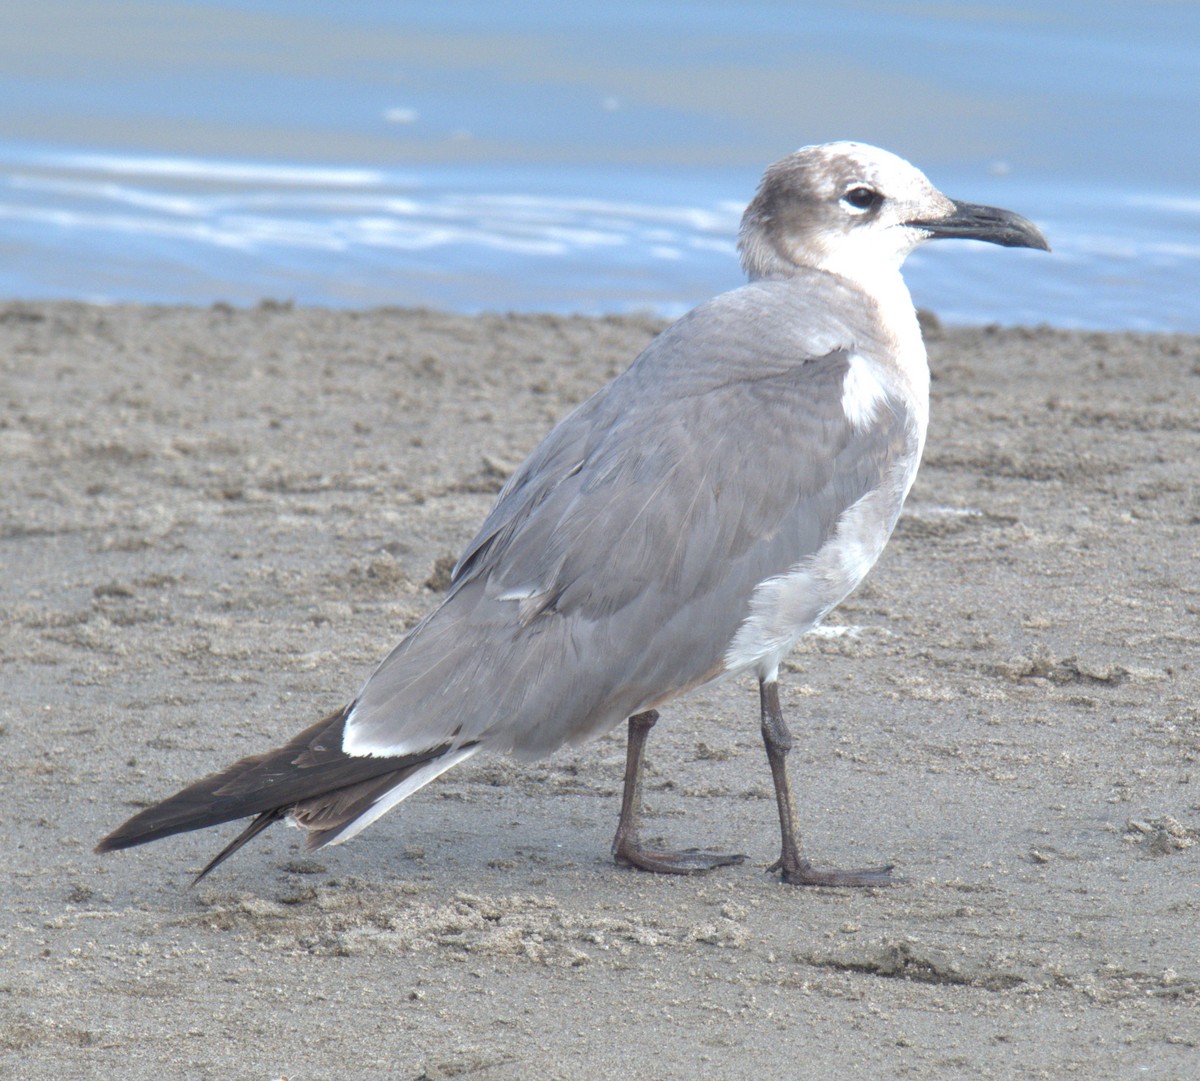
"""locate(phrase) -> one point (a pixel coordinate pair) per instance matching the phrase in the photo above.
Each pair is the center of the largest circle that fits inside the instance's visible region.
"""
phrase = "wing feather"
(642, 525)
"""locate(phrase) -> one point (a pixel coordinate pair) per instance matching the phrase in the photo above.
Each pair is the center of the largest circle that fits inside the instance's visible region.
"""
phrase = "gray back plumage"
(620, 558)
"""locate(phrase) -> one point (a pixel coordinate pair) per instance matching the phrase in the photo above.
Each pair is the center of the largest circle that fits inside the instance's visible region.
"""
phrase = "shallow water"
(538, 158)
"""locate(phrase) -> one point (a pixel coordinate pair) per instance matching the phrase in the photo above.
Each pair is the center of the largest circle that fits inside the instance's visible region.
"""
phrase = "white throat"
(880, 279)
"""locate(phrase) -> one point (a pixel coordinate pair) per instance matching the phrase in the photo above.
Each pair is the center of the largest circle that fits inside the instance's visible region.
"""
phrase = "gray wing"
(742, 335)
(618, 562)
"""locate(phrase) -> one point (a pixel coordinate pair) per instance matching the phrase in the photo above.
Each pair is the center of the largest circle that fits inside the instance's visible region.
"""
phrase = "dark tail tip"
(261, 784)
(117, 840)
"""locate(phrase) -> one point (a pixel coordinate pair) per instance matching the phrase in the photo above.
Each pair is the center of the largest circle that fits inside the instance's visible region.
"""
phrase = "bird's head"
(855, 210)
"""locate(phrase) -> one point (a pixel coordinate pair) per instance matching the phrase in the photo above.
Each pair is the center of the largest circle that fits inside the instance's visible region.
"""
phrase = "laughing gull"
(688, 522)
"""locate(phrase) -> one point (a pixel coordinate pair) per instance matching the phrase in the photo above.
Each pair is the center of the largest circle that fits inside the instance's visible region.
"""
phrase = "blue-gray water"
(590, 158)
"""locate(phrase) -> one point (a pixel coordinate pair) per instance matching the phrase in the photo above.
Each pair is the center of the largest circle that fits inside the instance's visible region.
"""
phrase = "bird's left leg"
(793, 867)
(627, 848)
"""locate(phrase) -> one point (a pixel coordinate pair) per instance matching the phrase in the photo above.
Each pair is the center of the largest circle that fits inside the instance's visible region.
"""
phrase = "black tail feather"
(249, 833)
(327, 816)
(310, 768)
(250, 786)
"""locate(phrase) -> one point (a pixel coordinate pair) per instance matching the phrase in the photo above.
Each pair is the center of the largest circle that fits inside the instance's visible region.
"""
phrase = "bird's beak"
(970, 221)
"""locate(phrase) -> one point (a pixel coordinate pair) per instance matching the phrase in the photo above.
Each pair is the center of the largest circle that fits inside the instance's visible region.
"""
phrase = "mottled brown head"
(854, 209)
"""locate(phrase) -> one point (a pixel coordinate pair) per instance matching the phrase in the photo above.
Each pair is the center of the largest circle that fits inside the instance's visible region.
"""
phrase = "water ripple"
(162, 229)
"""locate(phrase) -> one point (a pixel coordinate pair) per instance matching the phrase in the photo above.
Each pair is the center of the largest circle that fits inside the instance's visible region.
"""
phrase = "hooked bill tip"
(991, 224)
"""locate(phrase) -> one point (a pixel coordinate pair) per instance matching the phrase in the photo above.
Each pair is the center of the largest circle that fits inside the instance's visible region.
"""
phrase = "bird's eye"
(861, 197)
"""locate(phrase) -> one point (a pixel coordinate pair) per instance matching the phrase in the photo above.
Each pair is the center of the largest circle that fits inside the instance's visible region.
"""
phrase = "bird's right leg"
(627, 848)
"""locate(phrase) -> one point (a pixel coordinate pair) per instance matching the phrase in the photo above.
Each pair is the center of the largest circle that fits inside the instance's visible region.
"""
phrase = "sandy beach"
(214, 522)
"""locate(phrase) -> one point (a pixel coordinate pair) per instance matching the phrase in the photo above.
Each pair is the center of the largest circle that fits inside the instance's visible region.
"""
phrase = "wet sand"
(214, 522)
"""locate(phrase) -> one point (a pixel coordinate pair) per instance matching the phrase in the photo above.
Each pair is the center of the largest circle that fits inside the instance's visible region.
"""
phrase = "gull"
(687, 523)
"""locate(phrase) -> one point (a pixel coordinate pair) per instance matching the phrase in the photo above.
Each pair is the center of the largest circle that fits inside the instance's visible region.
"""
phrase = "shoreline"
(216, 520)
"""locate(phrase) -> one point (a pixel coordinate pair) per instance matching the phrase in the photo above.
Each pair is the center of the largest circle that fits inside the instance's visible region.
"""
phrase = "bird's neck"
(897, 321)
